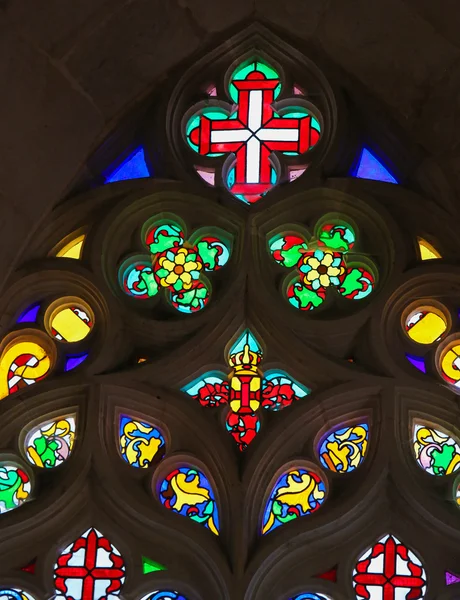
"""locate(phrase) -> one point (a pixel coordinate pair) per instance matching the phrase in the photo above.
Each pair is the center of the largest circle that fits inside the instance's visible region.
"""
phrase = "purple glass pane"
(133, 167)
(369, 167)
(71, 362)
(451, 578)
(417, 361)
(29, 315)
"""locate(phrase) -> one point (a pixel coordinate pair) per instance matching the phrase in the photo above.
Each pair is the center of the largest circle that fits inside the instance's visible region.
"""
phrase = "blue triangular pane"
(29, 315)
(369, 167)
(246, 338)
(417, 361)
(72, 362)
(133, 167)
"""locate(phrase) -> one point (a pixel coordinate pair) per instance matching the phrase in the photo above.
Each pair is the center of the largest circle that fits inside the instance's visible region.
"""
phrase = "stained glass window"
(417, 361)
(24, 361)
(15, 486)
(176, 265)
(72, 249)
(164, 595)
(449, 363)
(245, 390)
(370, 167)
(133, 166)
(451, 578)
(71, 323)
(435, 450)
(297, 493)
(250, 135)
(427, 250)
(30, 314)
(140, 442)
(188, 492)
(49, 444)
(90, 568)
(426, 324)
(321, 264)
(311, 596)
(14, 594)
(343, 449)
(389, 570)
(72, 361)
(151, 566)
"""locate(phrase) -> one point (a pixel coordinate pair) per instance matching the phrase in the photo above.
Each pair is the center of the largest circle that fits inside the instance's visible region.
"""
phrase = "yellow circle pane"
(425, 325)
(71, 324)
(449, 363)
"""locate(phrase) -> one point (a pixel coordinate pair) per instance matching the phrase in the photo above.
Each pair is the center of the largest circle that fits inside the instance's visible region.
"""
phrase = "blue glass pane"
(29, 315)
(246, 338)
(417, 361)
(71, 362)
(133, 167)
(369, 167)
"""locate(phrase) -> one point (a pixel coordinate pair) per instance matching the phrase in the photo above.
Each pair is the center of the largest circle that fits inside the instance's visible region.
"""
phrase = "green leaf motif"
(192, 297)
(441, 460)
(352, 282)
(292, 256)
(150, 283)
(208, 255)
(306, 296)
(334, 241)
(164, 242)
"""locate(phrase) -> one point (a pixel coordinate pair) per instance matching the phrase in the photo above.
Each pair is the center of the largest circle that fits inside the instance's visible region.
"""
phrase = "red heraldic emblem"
(389, 571)
(90, 568)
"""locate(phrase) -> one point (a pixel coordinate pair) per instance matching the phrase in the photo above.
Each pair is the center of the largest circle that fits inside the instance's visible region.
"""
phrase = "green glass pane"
(288, 249)
(150, 566)
(358, 283)
(164, 235)
(302, 297)
(337, 236)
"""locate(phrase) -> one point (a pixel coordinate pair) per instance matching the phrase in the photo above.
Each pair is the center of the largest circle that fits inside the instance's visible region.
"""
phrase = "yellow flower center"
(178, 269)
(322, 269)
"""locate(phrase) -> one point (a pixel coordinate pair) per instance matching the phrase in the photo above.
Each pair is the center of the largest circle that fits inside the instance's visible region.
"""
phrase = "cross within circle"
(253, 133)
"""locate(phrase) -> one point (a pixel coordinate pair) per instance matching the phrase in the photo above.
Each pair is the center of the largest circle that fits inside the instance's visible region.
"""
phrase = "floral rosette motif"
(323, 263)
(176, 265)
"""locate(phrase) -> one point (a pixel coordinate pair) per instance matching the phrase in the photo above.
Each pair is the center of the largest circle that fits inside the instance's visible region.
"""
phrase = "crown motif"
(244, 359)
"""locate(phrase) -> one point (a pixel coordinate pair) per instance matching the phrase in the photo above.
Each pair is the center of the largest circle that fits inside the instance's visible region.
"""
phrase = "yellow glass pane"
(21, 364)
(450, 363)
(69, 324)
(425, 327)
(427, 251)
(73, 249)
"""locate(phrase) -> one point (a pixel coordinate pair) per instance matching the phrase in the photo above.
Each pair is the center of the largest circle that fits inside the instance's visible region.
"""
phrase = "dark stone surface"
(120, 59)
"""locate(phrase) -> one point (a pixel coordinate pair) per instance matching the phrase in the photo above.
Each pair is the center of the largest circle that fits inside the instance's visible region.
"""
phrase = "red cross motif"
(253, 133)
(389, 571)
(90, 568)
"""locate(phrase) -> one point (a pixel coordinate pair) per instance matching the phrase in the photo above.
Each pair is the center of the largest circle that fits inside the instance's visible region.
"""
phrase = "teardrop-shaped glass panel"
(15, 486)
(389, 569)
(49, 444)
(188, 492)
(140, 442)
(343, 448)
(297, 493)
(90, 568)
(435, 450)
